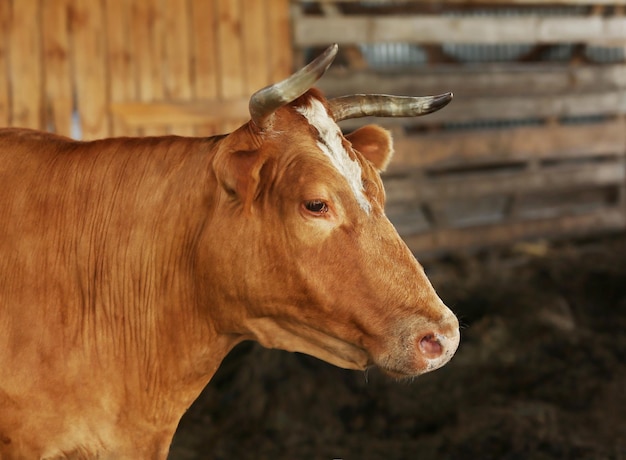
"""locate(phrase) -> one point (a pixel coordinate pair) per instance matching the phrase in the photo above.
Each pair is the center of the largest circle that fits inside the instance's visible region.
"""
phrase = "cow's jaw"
(295, 337)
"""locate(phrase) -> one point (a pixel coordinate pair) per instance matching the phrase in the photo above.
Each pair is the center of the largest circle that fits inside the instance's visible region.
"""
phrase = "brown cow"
(130, 267)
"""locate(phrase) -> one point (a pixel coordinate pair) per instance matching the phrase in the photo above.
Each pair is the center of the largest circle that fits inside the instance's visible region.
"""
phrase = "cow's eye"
(316, 206)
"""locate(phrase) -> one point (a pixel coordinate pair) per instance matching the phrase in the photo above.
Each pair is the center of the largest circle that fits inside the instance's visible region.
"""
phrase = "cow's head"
(305, 258)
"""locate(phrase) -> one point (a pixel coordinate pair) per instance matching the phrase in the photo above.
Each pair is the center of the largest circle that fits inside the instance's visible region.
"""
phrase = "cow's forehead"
(330, 142)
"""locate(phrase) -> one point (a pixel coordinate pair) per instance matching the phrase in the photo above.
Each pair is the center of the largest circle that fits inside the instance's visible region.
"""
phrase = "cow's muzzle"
(438, 348)
(422, 349)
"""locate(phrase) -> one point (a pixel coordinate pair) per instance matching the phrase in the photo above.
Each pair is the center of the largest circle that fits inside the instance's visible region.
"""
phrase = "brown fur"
(130, 267)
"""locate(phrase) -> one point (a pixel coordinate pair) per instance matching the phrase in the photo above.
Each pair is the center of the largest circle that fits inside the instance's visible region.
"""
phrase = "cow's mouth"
(397, 375)
(402, 374)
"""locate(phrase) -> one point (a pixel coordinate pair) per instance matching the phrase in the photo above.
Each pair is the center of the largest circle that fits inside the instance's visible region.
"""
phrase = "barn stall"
(513, 196)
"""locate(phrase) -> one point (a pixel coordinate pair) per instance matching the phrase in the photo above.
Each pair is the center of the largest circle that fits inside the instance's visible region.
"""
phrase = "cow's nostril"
(430, 346)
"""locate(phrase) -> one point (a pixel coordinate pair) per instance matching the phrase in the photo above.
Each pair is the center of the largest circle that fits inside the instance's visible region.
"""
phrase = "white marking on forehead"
(330, 143)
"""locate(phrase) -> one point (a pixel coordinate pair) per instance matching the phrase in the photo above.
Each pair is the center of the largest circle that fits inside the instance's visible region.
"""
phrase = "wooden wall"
(530, 147)
(127, 67)
(533, 145)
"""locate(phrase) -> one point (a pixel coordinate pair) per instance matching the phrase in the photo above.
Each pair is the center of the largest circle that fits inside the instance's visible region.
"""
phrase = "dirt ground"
(540, 374)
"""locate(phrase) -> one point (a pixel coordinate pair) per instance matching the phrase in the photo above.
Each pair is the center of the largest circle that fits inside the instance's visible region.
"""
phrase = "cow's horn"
(382, 105)
(264, 102)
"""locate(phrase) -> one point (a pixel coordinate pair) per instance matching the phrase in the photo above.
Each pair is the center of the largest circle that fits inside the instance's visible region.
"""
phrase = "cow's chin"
(408, 372)
(402, 374)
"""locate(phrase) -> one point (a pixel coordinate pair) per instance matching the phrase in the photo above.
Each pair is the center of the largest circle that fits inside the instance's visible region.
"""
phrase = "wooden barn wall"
(97, 68)
(532, 145)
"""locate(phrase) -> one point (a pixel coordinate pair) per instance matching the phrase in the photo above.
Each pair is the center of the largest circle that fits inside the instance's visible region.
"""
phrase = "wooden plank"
(505, 182)
(466, 110)
(564, 202)
(231, 64)
(58, 81)
(204, 43)
(230, 55)
(147, 27)
(472, 81)
(511, 144)
(5, 102)
(255, 44)
(602, 102)
(203, 26)
(177, 68)
(177, 78)
(320, 30)
(90, 67)
(452, 239)
(489, 209)
(280, 39)
(121, 57)
(147, 36)
(166, 113)
(25, 62)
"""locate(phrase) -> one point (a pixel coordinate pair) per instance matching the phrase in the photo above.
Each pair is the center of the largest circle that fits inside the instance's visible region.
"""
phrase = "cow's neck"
(155, 323)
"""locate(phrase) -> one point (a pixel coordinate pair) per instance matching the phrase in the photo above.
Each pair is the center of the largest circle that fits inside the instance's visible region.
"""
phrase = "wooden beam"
(147, 43)
(231, 60)
(205, 50)
(279, 35)
(177, 57)
(56, 58)
(508, 145)
(452, 239)
(320, 30)
(255, 45)
(121, 59)
(88, 27)
(5, 87)
(25, 65)
(505, 182)
(513, 108)
(471, 81)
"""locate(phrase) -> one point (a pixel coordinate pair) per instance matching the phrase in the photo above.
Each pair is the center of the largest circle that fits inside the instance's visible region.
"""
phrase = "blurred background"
(513, 197)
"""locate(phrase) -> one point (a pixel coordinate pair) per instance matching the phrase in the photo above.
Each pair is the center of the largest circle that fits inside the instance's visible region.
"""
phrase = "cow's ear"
(374, 143)
(239, 165)
(237, 172)
(236, 164)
